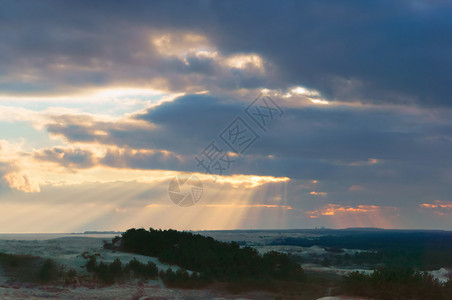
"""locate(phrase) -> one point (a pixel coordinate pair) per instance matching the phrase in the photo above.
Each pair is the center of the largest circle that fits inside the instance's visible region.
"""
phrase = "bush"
(181, 279)
(394, 283)
(115, 269)
(102, 272)
(29, 268)
(48, 271)
(145, 271)
(91, 264)
(71, 277)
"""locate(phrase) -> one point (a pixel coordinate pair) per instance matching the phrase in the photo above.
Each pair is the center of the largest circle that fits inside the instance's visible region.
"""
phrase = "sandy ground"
(67, 252)
(342, 298)
(117, 292)
(443, 274)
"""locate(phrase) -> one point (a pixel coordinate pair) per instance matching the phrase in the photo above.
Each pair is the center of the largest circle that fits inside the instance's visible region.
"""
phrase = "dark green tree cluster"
(214, 259)
(395, 283)
(115, 271)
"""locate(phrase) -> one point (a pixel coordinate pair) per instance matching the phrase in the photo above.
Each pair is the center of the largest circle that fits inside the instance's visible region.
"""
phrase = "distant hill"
(103, 232)
(364, 228)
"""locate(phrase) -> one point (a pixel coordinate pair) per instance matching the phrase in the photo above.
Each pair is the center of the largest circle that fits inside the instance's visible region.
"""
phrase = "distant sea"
(49, 236)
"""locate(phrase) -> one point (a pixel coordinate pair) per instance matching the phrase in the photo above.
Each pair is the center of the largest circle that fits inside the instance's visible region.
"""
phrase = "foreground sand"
(128, 291)
(68, 251)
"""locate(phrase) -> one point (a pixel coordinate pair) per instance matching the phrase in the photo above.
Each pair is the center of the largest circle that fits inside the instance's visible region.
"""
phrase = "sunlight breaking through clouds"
(333, 209)
(104, 108)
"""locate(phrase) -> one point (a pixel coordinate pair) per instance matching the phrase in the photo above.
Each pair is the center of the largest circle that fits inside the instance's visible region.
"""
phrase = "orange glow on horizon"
(356, 216)
(332, 209)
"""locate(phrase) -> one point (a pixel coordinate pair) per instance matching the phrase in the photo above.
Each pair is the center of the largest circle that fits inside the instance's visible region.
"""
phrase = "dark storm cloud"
(340, 134)
(377, 51)
(384, 145)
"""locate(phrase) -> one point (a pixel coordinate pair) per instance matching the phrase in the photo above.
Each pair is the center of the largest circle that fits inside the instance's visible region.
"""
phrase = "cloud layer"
(101, 104)
(379, 52)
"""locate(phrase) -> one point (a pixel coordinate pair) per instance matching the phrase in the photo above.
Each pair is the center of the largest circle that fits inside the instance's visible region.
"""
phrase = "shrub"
(394, 283)
(145, 271)
(48, 271)
(181, 279)
(115, 271)
(71, 277)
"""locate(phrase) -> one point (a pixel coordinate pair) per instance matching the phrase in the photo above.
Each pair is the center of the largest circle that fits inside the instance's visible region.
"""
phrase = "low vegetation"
(423, 250)
(49, 271)
(396, 283)
(182, 279)
(109, 273)
(27, 268)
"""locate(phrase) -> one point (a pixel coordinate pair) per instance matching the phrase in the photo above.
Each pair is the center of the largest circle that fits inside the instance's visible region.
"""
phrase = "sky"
(291, 114)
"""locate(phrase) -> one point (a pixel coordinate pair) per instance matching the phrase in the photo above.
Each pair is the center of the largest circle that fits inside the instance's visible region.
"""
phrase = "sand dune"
(67, 252)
